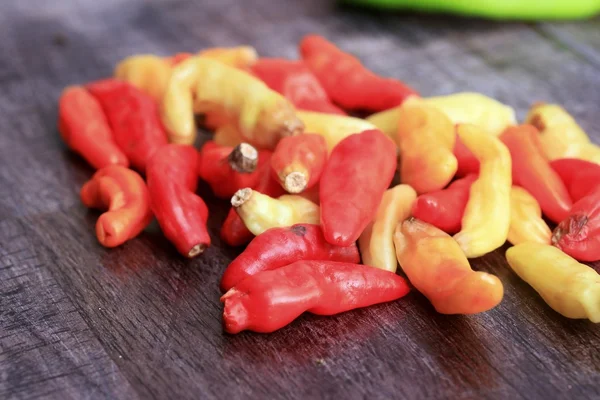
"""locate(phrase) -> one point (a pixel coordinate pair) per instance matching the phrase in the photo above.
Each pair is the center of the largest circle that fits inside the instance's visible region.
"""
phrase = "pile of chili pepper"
(311, 189)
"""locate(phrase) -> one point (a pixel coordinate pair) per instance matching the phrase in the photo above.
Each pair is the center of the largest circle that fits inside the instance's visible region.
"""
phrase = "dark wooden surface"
(78, 321)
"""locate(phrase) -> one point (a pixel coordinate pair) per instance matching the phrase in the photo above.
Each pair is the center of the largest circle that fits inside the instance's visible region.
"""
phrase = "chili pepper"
(298, 162)
(580, 176)
(531, 170)
(466, 160)
(526, 222)
(376, 242)
(579, 234)
(347, 82)
(172, 180)
(84, 128)
(437, 267)
(133, 116)
(359, 170)
(270, 300)
(333, 128)
(178, 58)
(228, 169)
(561, 136)
(445, 208)
(568, 287)
(486, 219)
(123, 194)
(426, 138)
(216, 120)
(261, 115)
(278, 247)
(240, 57)
(295, 81)
(147, 72)
(261, 212)
(460, 108)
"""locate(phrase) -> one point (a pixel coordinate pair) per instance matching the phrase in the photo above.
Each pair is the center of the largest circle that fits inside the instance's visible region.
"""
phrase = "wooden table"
(79, 321)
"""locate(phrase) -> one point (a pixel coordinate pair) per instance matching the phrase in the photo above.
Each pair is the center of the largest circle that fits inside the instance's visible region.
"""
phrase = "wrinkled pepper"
(532, 171)
(581, 177)
(437, 267)
(376, 242)
(359, 171)
(486, 219)
(296, 82)
(347, 82)
(568, 287)
(272, 299)
(200, 84)
(333, 128)
(133, 117)
(172, 179)
(445, 208)
(228, 169)
(426, 140)
(124, 195)
(579, 234)
(146, 72)
(278, 247)
(298, 162)
(526, 222)
(85, 130)
(261, 212)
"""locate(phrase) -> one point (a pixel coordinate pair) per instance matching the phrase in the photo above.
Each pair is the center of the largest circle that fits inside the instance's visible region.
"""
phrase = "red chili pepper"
(295, 81)
(270, 300)
(84, 128)
(579, 234)
(298, 161)
(580, 176)
(279, 247)
(467, 162)
(532, 171)
(359, 170)
(347, 82)
(228, 169)
(444, 208)
(172, 180)
(133, 117)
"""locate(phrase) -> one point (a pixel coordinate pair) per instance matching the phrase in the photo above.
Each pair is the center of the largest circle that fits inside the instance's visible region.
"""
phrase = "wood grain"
(79, 321)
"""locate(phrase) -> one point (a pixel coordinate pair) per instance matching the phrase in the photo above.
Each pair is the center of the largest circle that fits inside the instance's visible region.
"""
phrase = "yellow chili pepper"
(332, 127)
(460, 108)
(239, 57)
(147, 72)
(569, 287)
(227, 135)
(376, 242)
(261, 115)
(486, 219)
(526, 222)
(561, 136)
(438, 268)
(261, 212)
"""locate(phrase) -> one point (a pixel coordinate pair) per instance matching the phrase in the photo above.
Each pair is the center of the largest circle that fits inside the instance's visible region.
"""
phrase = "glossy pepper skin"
(579, 234)
(376, 242)
(466, 160)
(426, 139)
(486, 219)
(445, 208)
(271, 300)
(298, 162)
(84, 128)
(172, 180)
(278, 247)
(570, 288)
(133, 117)
(580, 177)
(124, 195)
(347, 82)
(532, 171)
(228, 169)
(295, 81)
(526, 222)
(435, 264)
(353, 184)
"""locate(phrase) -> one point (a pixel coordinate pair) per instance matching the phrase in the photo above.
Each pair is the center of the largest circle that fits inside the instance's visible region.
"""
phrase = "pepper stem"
(243, 158)
(240, 197)
(197, 250)
(295, 182)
